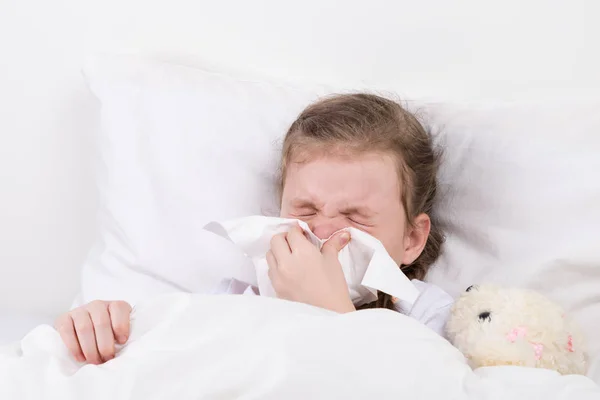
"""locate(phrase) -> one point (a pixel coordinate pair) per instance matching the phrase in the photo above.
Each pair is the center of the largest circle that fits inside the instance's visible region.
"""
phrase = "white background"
(464, 50)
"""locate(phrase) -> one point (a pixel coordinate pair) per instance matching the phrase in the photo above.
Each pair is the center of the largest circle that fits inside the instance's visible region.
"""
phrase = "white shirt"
(432, 307)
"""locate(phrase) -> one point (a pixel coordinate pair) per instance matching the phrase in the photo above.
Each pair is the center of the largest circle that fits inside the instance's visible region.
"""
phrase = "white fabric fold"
(186, 346)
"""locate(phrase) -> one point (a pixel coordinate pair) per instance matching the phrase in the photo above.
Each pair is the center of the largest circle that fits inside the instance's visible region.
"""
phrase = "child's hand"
(299, 272)
(90, 331)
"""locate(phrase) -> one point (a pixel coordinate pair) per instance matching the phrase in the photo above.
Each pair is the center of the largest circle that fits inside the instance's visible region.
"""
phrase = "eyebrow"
(303, 203)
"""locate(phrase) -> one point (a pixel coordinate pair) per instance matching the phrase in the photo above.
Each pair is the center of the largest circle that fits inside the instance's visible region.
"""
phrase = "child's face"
(362, 191)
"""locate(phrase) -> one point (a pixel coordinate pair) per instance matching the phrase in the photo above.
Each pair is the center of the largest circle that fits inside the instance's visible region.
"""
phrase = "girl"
(355, 160)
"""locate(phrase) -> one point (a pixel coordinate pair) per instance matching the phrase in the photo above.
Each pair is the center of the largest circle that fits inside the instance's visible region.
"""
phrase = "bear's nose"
(471, 288)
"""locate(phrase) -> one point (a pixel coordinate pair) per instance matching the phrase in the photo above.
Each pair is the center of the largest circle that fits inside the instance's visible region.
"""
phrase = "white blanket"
(227, 347)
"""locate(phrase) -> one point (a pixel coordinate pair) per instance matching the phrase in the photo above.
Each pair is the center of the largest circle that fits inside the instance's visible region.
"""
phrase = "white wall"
(459, 49)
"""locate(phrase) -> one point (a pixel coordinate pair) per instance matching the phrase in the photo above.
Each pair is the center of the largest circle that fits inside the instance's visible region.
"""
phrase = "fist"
(300, 272)
(91, 331)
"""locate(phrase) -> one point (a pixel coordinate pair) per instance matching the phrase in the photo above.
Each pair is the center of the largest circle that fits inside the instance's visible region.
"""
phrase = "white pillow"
(520, 204)
(179, 148)
(182, 147)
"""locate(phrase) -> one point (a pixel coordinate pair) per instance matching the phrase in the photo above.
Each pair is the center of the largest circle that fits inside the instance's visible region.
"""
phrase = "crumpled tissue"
(366, 264)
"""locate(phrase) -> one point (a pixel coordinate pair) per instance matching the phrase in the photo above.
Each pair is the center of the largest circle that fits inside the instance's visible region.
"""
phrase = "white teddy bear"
(501, 326)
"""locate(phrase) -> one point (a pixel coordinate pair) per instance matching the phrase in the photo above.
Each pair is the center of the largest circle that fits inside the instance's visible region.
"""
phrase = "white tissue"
(366, 264)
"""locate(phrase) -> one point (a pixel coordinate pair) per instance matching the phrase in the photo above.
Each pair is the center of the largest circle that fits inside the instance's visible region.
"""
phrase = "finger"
(105, 338)
(85, 334)
(280, 247)
(271, 261)
(66, 329)
(296, 239)
(273, 272)
(120, 313)
(336, 243)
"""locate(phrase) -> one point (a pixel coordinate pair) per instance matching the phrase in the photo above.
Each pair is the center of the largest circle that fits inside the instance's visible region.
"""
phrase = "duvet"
(245, 347)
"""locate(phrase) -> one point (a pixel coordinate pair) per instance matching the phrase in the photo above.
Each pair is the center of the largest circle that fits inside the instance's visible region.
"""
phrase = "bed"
(518, 154)
(163, 124)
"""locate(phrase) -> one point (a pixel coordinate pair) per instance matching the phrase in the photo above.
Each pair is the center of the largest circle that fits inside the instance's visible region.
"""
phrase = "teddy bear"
(494, 326)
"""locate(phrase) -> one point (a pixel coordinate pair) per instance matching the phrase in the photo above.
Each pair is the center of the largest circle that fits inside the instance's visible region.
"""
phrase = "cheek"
(395, 249)
(283, 212)
(392, 238)
(284, 209)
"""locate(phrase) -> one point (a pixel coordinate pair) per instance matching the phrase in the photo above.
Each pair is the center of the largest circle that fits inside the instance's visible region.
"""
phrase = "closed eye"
(358, 215)
(359, 222)
(304, 212)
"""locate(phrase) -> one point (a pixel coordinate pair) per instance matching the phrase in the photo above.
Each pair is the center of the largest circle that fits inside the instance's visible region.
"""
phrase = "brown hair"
(361, 122)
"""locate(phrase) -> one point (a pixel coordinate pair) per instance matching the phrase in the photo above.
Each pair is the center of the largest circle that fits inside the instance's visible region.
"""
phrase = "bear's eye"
(486, 315)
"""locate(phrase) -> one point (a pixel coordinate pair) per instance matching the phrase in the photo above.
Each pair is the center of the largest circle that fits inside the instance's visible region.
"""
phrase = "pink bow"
(516, 333)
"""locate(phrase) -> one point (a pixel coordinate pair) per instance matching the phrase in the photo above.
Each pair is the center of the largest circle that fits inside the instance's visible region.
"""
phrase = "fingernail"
(122, 339)
(344, 238)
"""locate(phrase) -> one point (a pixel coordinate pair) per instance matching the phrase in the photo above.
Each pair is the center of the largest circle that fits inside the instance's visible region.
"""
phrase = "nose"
(324, 227)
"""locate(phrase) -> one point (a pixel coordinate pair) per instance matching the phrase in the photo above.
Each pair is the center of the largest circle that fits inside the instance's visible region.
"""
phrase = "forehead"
(369, 179)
